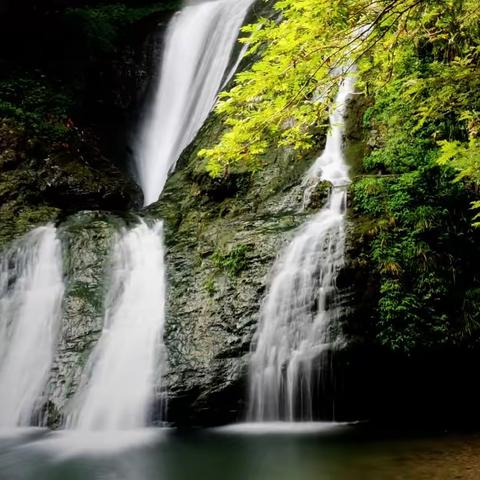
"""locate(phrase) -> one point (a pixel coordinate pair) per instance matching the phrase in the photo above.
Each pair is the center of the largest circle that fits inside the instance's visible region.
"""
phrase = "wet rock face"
(219, 252)
(38, 186)
(87, 240)
(213, 309)
(222, 238)
(120, 86)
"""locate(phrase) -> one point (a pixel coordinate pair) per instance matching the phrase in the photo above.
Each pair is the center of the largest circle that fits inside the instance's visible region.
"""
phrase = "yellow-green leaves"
(428, 51)
(297, 63)
(465, 158)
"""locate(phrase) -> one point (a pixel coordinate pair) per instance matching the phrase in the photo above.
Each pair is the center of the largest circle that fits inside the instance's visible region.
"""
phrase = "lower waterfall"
(123, 370)
(118, 383)
(297, 319)
(31, 293)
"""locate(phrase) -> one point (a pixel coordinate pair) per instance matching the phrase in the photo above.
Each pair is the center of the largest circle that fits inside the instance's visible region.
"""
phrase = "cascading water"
(302, 303)
(199, 44)
(120, 376)
(118, 381)
(31, 293)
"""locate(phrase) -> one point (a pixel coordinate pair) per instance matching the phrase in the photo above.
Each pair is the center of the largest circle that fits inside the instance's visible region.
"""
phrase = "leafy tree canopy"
(428, 49)
(417, 61)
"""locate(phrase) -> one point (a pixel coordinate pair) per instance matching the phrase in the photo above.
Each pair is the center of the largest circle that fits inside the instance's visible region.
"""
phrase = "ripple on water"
(66, 444)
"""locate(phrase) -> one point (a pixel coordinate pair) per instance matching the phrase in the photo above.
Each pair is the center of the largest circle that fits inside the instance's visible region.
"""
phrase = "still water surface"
(311, 452)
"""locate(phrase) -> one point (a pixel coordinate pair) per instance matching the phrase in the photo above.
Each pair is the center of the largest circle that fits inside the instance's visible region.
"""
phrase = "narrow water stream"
(119, 379)
(298, 317)
(31, 293)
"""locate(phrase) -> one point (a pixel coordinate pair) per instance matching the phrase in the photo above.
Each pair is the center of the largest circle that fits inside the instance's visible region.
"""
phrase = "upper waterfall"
(198, 47)
(302, 302)
(121, 374)
(31, 293)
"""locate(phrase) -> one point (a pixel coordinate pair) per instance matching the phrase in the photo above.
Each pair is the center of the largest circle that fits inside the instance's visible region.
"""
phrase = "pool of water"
(244, 452)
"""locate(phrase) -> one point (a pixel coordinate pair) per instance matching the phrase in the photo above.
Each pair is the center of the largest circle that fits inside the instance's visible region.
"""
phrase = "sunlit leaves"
(418, 61)
(299, 58)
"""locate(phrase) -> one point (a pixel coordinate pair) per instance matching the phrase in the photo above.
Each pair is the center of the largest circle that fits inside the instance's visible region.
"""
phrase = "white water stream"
(31, 293)
(123, 370)
(198, 48)
(118, 382)
(302, 304)
(117, 389)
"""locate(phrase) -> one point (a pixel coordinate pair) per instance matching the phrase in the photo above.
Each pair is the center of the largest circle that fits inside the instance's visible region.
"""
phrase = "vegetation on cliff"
(69, 82)
(418, 64)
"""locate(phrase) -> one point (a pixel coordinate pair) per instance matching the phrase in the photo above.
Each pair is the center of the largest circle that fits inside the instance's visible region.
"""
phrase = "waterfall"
(297, 319)
(120, 376)
(31, 293)
(119, 379)
(199, 44)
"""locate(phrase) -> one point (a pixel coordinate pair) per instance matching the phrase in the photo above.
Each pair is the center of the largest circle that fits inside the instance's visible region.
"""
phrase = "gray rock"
(87, 238)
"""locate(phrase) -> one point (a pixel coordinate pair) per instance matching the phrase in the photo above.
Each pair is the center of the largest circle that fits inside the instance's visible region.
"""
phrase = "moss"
(210, 286)
(233, 261)
(17, 219)
(88, 293)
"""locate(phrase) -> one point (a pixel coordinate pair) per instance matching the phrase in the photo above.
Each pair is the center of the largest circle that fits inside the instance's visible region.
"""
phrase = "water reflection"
(284, 428)
(246, 452)
(71, 455)
(64, 445)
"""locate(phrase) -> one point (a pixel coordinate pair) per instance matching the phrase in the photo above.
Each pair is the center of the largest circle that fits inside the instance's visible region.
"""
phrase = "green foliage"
(465, 159)
(471, 311)
(37, 104)
(210, 286)
(419, 62)
(426, 50)
(102, 25)
(233, 261)
(423, 250)
(421, 244)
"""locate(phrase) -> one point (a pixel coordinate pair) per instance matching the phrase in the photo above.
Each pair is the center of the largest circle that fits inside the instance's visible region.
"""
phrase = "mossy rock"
(319, 195)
